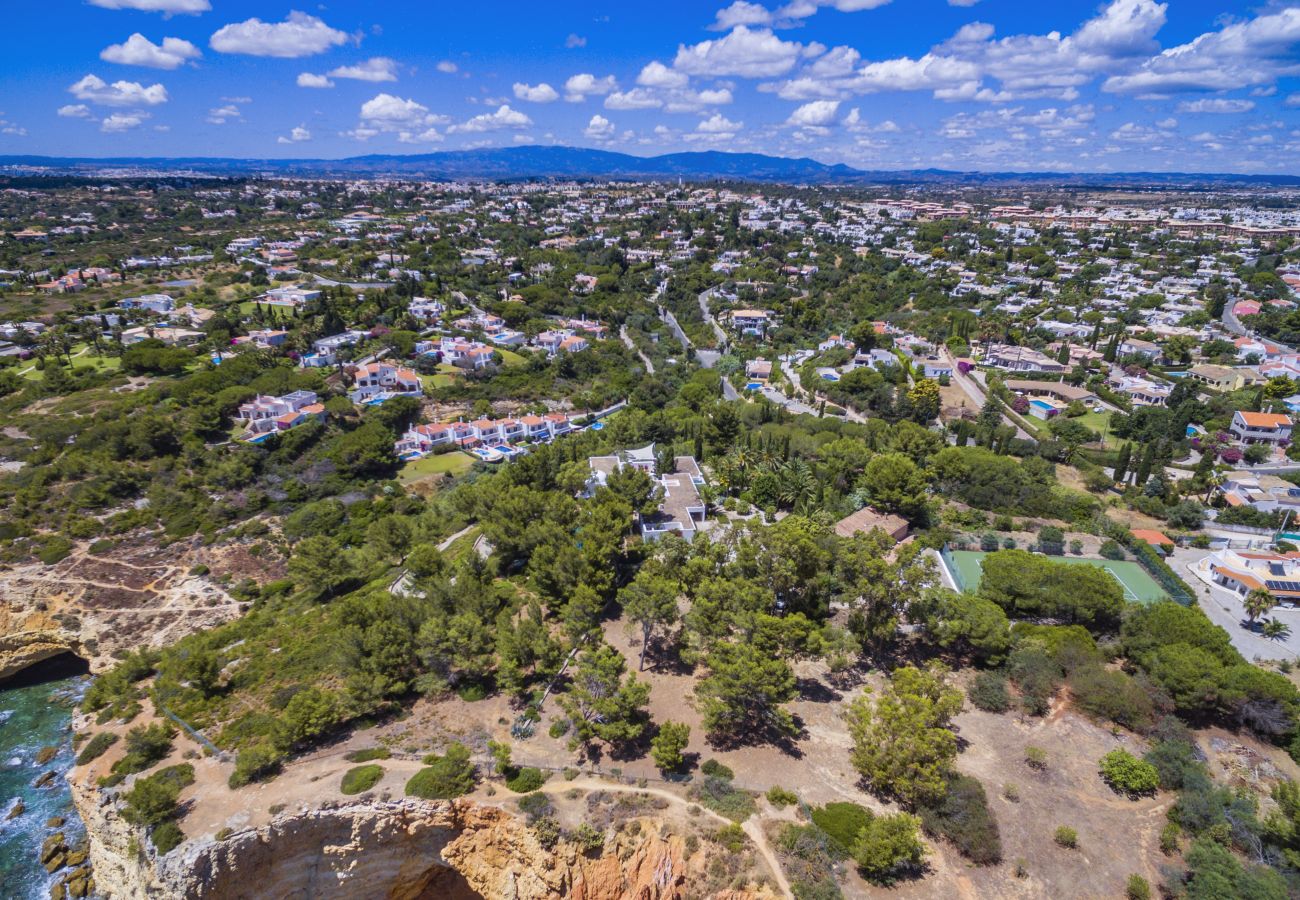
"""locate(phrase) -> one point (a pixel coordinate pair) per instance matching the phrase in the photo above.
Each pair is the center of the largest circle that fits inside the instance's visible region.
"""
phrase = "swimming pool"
(754, 386)
(1043, 405)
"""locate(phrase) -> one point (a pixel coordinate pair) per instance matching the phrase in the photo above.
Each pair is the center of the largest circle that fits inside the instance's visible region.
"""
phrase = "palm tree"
(1257, 602)
(1277, 630)
(799, 485)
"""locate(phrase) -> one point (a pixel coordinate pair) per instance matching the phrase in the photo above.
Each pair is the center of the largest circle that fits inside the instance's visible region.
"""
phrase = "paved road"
(975, 391)
(706, 358)
(708, 317)
(1225, 610)
(649, 366)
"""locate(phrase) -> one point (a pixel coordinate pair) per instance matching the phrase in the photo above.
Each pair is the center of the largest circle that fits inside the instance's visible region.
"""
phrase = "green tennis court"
(966, 567)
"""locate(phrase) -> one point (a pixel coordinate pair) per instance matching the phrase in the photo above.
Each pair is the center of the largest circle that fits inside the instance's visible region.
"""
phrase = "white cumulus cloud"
(657, 75)
(818, 112)
(75, 111)
(375, 69)
(536, 93)
(504, 117)
(298, 35)
(138, 50)
(744, 52)
(296, 136)
(599, 128)
(94, 89)
(119, 122)
(308, 80)
(583, 85)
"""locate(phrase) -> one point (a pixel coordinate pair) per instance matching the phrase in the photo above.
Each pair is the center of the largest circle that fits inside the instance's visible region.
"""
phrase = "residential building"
(160, 304)
(681, 509)
(1243, 571)
(758, 369)
(868, 519)
(1260, 428)
(379, 381)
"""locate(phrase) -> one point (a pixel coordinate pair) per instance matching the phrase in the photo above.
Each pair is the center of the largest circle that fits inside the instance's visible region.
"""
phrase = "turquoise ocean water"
(35, 712)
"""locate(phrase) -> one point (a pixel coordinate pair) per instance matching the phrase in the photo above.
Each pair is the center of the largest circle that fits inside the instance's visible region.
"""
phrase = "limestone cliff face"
(402, 850)
(93, 607)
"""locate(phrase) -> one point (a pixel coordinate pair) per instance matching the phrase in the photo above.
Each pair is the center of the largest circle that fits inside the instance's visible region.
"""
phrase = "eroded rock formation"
(402, 850)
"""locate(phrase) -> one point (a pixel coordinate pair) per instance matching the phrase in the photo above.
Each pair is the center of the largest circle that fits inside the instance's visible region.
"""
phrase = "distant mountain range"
(532, 162)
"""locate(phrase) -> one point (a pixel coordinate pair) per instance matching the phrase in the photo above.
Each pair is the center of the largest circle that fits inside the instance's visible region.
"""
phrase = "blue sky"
(1189, 85)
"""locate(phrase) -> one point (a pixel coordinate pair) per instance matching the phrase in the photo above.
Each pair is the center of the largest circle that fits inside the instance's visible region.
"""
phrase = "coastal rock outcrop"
(92, 606)
(402, 850)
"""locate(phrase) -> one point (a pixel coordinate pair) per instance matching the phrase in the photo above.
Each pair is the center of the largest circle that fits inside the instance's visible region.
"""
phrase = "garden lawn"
(510, 357)
(454, 463)
(1100, 423)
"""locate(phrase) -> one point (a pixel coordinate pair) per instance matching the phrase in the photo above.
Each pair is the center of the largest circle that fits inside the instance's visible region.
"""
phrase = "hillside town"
(523, 478)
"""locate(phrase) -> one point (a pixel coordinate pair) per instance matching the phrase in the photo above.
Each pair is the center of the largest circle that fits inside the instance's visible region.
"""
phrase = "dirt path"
(751, 825)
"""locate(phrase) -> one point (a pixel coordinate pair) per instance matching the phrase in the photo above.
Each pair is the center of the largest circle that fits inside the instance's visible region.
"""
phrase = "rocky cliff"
(402, 850)
(93, 606)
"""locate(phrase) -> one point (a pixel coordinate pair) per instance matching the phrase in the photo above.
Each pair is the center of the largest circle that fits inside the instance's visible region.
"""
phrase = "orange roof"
(313, 409)
(1249, 581)
(1151, 536)
(1264, 420)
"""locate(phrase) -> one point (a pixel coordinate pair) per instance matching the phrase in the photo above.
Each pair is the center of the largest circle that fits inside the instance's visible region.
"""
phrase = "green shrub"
(888, 846)
(1138, 888)
(716, 769)
(145, 745)
(781, 798)
(1036, 758)
(842, 823)
(989, 692)
(732, 837)
(152, 800)
(1111, 550)
(367, 754)
(1169, 838)
(256, 763)
(1126, 774)
(535, 805)
(167, 837)
(96, 747)
(55, 549)
(587, 837)
(525, 780)
(963, 817)
(1116, 696)
(1066, 837)
(444, 777)
(809, 859)
(361, 778)
(719, 795)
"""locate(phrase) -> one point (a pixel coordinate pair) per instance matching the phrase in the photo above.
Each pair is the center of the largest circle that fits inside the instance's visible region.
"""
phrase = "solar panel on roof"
(1283, 585)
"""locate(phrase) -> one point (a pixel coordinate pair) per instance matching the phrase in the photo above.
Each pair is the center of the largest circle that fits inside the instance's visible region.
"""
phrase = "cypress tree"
(1122, 461)
(1144, 466)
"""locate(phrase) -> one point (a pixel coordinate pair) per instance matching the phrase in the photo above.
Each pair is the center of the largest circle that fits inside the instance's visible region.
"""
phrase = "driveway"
(975, 391)
(1225, 609)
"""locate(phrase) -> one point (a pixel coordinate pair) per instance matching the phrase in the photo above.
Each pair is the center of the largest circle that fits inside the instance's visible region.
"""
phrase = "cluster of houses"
(266, 415)
(493, 434)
